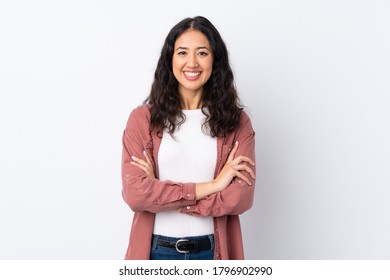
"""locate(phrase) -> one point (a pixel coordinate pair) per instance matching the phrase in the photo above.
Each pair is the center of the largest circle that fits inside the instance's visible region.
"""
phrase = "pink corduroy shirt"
(147, 196)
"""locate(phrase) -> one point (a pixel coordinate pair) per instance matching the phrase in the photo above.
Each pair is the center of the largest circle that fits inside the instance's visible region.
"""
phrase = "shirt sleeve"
(238, 196)
(139, 191)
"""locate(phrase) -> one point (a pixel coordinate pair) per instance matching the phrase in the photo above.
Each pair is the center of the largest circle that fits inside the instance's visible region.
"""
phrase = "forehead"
(192, 38)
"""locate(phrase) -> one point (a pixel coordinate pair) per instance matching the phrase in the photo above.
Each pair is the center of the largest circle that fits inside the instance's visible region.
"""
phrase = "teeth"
(192, 74)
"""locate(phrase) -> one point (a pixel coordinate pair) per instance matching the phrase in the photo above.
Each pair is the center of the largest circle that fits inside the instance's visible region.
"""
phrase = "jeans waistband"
(185, 244)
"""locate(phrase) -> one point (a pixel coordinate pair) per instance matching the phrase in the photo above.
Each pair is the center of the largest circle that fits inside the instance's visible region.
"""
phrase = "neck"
(191, 100)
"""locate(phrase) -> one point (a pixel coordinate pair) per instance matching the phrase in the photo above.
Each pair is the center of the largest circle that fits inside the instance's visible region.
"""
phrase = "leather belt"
(186, 245)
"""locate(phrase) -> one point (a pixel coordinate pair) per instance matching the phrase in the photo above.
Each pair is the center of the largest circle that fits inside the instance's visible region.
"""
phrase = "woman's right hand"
(233, 168)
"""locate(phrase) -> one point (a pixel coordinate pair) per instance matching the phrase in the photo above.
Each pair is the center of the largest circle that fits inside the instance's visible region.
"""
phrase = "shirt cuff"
(188, 192)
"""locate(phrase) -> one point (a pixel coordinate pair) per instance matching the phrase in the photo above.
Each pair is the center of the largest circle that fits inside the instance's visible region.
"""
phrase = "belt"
(186, 245)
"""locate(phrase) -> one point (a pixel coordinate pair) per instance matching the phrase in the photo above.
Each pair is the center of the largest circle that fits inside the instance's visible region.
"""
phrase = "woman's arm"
(237, 197)
(139, 191)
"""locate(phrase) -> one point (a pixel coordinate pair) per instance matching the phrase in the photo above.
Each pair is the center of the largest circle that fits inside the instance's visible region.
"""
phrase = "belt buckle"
(177, 244)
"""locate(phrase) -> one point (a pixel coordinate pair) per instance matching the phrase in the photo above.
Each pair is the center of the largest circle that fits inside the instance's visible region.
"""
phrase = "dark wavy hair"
(219, 92)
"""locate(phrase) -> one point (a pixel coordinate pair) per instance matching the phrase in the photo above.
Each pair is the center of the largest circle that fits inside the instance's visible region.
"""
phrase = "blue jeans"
(164, 253)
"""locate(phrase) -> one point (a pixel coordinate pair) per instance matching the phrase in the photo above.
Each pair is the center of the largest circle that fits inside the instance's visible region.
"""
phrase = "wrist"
(205, 189)
(212, 187)
(215, 186)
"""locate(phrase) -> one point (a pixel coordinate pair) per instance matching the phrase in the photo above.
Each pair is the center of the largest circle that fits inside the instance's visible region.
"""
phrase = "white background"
(313, 74)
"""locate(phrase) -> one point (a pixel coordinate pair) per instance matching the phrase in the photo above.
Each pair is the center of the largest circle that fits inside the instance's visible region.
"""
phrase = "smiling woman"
(188, 153)
(192, 66)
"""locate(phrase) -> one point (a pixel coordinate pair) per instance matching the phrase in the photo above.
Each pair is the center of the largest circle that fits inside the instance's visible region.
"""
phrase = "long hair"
(219, 93)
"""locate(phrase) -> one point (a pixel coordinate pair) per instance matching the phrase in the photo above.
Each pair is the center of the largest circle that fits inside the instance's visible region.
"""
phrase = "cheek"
(176, 74)
(175, 67)
(176, 62)
(210, 65)
(210, 69)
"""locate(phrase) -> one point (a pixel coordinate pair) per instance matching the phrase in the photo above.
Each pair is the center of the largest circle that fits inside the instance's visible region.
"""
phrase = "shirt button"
(127, 175)
(188, 207)
(188, 195)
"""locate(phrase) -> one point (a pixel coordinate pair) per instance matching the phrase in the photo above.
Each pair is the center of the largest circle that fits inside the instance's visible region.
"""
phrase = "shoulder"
(243, 131)
(244, 117)
(142, 111)
(245, 121)
(245, 127)
(139, 118)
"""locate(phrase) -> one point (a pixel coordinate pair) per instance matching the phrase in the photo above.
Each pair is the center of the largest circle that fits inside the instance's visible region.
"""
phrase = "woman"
(188, 153)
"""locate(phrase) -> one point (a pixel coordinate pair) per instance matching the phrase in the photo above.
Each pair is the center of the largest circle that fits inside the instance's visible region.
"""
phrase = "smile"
(192, 74)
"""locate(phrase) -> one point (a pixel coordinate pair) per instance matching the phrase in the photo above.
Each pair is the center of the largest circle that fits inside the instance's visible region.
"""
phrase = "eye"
(182, 53)
(202, 53)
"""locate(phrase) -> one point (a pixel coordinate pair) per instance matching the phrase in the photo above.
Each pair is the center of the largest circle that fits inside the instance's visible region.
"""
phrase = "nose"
(192, 61)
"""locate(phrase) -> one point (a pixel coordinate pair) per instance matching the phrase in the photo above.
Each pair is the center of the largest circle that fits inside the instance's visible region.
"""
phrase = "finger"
(146, 169)
(243, 177)
(233, 152)
(147, 158)
(240, 159)
(140, 166)
(242, 167)
(138, 160)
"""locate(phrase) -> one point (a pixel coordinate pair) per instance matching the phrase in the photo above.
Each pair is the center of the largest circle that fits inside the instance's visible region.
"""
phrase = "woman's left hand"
(146, 165)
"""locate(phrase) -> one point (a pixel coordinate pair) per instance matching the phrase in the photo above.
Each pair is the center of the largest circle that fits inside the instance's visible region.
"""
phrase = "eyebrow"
(198, 48)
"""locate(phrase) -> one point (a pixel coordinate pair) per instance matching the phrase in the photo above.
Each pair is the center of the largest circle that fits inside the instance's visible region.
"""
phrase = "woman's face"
(192, 61)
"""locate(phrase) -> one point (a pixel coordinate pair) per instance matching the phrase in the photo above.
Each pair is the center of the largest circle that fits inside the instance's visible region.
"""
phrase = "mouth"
(192, 75)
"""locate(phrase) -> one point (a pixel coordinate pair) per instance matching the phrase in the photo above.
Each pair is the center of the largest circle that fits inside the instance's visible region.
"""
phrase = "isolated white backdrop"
(313, 74)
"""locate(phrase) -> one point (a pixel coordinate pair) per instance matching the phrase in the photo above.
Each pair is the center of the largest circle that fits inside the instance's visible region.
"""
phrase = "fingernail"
(144, 152)
(236, 142)
(133, 157)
